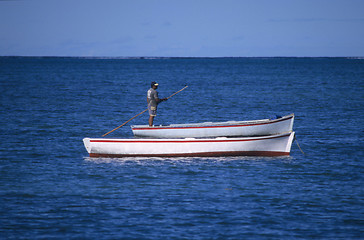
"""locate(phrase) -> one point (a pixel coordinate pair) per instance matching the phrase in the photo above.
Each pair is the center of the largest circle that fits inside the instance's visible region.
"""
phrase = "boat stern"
(290, 141)
(291, 123)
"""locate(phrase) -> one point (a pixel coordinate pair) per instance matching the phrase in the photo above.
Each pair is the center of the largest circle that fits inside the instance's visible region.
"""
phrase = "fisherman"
(153, 101)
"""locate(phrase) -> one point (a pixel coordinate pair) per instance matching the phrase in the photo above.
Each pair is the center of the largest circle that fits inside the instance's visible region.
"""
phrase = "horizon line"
(165, 57)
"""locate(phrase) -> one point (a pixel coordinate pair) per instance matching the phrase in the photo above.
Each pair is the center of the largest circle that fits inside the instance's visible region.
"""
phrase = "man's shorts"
(152, 111)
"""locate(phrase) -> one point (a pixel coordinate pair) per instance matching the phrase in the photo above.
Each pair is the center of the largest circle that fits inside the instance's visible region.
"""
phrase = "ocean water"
(51, 189)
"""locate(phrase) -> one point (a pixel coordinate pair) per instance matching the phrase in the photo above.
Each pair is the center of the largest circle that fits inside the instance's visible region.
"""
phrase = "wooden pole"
(125, 122)
(177, 92)
(141, 113)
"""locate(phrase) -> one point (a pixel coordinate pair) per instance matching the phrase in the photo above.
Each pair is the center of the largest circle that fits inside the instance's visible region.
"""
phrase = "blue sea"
(51, 189)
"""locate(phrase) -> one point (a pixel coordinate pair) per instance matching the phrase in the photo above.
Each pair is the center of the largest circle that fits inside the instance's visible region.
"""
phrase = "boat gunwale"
(189, 140)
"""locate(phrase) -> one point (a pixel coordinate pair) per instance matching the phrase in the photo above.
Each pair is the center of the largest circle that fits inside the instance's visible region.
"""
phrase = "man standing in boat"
(153, 101)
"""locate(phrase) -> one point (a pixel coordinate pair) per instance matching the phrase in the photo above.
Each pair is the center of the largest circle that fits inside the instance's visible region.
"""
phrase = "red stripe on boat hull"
(198, 154)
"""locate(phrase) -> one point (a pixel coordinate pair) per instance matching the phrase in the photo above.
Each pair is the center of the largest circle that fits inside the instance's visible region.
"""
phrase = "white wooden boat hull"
(274, 145)
(263, 127)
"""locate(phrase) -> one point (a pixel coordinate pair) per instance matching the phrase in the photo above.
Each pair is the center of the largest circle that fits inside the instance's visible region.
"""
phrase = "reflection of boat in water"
(273, 145)
(263, 127)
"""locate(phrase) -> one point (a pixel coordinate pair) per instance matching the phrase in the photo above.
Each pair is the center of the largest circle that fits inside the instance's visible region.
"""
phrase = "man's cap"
(154, 84)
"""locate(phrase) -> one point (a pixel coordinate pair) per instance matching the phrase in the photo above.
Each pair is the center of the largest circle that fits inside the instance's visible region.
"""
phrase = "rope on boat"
(298, 145)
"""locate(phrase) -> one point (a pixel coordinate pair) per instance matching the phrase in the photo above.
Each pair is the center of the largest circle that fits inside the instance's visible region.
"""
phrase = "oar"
(141, 113)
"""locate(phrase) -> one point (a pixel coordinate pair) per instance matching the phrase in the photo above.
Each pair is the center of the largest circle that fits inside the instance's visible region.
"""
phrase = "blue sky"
(184, 28)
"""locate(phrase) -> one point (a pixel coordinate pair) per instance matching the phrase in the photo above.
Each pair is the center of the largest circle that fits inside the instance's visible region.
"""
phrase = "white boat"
(274, 145)
(262, 127)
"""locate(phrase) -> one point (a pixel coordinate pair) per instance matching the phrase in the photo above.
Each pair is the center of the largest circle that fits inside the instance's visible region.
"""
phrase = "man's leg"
(151, 119)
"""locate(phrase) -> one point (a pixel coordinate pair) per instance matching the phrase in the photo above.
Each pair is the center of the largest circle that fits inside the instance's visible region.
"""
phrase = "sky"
(182, 28)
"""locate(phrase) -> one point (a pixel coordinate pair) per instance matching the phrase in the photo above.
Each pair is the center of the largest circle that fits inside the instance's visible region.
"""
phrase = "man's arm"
(161, 100)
